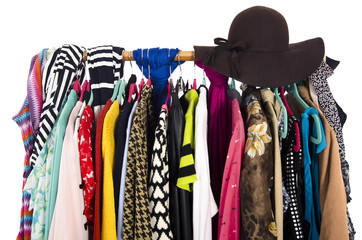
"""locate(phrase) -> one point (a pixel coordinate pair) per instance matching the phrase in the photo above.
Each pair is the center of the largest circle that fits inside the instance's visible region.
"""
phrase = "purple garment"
(219, 131)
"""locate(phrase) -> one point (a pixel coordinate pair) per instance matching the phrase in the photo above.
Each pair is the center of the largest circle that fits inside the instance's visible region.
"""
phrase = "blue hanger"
(285, 115)
(293, 89)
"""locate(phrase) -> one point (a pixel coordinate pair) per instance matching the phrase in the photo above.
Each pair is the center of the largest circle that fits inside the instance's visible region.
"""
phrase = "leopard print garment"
(256, 172)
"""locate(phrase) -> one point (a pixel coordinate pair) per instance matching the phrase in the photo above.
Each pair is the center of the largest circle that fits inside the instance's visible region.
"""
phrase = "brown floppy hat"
(257, 51)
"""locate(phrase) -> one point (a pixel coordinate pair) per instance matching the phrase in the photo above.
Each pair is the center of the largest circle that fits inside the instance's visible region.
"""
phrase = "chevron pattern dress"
(159, 189)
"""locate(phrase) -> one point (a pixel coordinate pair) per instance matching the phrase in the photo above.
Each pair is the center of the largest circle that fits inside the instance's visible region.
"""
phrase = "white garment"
(313, 95)
(68, 219)
(204, 206)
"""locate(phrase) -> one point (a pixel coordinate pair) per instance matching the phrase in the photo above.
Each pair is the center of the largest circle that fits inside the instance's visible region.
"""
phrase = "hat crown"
(262, 28)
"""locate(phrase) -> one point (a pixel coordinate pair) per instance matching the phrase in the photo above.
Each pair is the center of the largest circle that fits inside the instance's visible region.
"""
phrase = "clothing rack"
(181, 56)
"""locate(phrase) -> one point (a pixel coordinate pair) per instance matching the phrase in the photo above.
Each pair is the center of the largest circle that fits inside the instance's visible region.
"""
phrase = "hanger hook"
(169, 61)
(148, 63)
(178, 59)
(142, 61)
(130, 62)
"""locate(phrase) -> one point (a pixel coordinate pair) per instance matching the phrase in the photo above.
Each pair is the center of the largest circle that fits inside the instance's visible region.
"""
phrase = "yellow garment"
(187, 172)
(109, 230)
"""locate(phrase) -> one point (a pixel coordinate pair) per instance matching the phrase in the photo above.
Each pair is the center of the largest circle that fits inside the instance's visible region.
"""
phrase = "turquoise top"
(312, 211)
(58, 145)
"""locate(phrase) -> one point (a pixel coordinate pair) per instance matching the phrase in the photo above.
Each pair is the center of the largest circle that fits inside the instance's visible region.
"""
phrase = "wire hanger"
(293, 89)
(142, 79)
(284, 110)
(149, 68)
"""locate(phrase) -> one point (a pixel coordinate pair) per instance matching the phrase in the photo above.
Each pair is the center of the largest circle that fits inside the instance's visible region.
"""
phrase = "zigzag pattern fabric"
(159, 190)
(136, 215)
(26, 119)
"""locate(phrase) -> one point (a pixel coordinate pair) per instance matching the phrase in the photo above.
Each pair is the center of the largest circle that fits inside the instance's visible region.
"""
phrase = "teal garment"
(312, 211)
(58, 145)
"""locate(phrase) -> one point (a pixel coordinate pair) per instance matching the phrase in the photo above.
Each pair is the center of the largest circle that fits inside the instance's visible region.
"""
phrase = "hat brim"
(268, 69)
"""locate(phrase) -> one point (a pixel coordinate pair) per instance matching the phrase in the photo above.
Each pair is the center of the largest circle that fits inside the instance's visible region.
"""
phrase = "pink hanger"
(132, 90)
(76, 86)
(149, 82)
(140, 89)
(193, 86)
(296, 147)
(85, 85)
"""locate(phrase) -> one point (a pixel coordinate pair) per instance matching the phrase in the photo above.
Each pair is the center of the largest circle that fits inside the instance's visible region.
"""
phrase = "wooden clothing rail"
(128, 56)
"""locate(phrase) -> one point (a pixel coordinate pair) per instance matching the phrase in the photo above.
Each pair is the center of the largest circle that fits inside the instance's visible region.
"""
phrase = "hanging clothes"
(219, 131)
(58, 146)
(123, 174)
(272, 110)
(86, 162)
(158, 190)
(312, 212)
(59, 78)
(335, 117)
(204, 206)
(175, 131)
(99, 172)
(105, 68)
(68, 221)
(256, 172)
(120, 134)
(28, 121)
(108, 229)
(136, 215)
(161, 66)
(229, 210)
(331, 188)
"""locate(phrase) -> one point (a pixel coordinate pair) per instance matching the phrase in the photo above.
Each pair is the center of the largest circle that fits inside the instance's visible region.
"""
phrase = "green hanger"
(121, 91)
(285, 115)
(232, 84)
(91, 95)
(293, 89)
(115, 90)
(203, 79)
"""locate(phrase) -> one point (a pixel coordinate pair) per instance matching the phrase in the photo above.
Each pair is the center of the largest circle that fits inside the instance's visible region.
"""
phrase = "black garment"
(175, 129)
(292, 176)
(120, 144)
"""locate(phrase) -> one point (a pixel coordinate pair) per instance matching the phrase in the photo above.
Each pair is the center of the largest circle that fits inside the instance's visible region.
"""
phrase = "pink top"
(229, 210)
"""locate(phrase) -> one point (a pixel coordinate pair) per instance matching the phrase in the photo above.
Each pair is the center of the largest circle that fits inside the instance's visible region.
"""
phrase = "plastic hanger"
(115, 90)
(180, 82)
(84, 87)
(132, 90)
(91, 94)
(232, 84)
(204, 78)
(296, 146)
(142, 80)
(121, 91)
(293, 89)
(285, 116)
(76, 86)
(193, 86)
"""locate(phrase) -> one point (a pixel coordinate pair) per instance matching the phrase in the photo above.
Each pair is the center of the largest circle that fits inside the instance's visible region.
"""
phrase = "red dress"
(99, 171)
(86, 162)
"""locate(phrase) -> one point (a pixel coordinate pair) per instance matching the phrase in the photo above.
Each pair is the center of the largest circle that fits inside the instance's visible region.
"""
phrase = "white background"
(26, 27)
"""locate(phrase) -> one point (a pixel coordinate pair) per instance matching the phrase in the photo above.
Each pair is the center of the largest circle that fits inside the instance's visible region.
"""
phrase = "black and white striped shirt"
(58, 78)
(105, 68)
